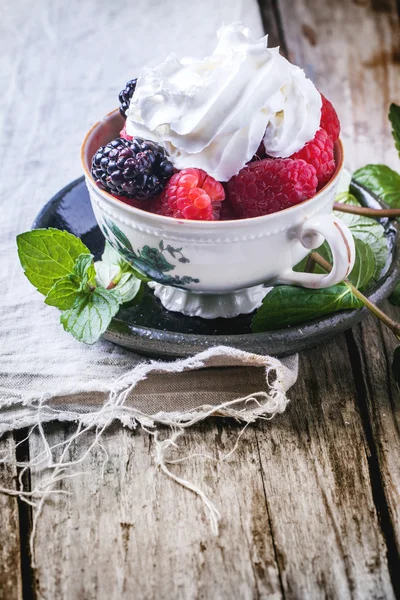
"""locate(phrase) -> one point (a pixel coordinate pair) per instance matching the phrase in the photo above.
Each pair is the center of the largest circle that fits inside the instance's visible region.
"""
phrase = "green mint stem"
(114, 282)
(393, 325)
(366, 212)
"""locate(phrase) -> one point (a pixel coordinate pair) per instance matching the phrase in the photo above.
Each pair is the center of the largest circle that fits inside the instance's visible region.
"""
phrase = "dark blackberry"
(135, 169)
(125, 96)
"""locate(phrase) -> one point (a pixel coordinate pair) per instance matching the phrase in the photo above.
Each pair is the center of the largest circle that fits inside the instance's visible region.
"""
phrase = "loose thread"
(161, 449)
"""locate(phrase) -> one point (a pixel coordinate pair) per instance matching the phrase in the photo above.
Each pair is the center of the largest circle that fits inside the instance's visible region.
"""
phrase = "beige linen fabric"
(154, 392)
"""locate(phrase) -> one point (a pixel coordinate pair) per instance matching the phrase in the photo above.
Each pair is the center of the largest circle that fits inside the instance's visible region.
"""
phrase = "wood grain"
(138, 534)
(299, 519)
(10, 560)
(352, 52)
(315, 469)
(380, 398)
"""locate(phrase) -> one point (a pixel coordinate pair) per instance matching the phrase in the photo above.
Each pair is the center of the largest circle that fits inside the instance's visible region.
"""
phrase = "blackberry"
(135, 169)
(125, 96)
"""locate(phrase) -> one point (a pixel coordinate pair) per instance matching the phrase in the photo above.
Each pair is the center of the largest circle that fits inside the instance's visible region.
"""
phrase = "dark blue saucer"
(149, 328)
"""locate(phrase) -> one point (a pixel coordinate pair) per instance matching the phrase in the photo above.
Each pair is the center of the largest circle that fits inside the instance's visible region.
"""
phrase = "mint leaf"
(110, 266)
(90, 315)
(288, 305)
(394, 116)
(382, 181)
(112, 269)
(364, 266)
(47, 255)
(127, 287)
(84, 270)
(111, 256)
(111, 262)
(367, 230)
(60, 266)
(64, 292)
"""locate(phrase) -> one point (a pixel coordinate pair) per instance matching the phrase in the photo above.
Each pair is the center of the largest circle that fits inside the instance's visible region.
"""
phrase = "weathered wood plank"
(10, 559)
(351, 50)
(315, 470)
(138, 534)
(135, 527)
(380, 398)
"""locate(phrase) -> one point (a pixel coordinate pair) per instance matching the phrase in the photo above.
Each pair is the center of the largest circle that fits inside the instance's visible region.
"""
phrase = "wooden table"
(311, 500)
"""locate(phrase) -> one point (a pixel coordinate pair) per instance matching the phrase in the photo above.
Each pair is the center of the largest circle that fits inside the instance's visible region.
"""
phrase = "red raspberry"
(270, 185)
(329, 119)
(124, 135)
(192, 194)
(147, 206)
(227, 213)
(319, 153)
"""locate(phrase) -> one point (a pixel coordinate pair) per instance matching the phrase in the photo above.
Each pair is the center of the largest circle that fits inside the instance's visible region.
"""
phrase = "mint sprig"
(91, 314)
(47, 255)
(113, 272)
(61, 267)
(84, 270)
(63, 293)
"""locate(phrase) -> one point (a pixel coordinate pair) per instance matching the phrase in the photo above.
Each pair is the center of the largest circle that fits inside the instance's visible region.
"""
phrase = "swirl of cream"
(213, 113)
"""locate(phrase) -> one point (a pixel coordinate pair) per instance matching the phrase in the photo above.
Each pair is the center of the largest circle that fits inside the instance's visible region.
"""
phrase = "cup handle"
(341, 242)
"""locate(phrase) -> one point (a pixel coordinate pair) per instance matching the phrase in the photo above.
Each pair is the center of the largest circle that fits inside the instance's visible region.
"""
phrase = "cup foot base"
(209, 306)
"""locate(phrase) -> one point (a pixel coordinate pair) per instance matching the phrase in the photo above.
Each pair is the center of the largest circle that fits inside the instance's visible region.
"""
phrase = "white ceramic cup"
(220, 268)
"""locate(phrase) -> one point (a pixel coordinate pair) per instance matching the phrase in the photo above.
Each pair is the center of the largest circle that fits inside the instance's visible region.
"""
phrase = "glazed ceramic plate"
(150, 329)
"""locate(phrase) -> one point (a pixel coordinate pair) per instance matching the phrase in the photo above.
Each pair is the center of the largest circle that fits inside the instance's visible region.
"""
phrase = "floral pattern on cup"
(151, 262)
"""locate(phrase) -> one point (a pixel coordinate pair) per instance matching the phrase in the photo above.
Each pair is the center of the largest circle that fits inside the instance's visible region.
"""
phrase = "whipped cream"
(213, 113)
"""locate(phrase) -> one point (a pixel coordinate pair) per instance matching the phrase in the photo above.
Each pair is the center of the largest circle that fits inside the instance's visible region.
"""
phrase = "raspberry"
(319, 153)
(148, 206)
(124, 135)
(192, 194)
(271, 185)
(227, 213)
(329, 119)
